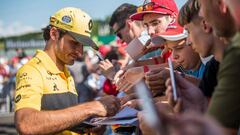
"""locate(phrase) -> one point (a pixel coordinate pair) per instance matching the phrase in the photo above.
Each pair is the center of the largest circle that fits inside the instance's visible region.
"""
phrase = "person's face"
(123, 32)
(213, 11)
(156, 23)
(136, 29)
(184, 54)
(68, 50)
(200, 40)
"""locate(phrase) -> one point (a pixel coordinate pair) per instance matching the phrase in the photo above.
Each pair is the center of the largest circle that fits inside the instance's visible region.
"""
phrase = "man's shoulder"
(32, 66)
(232, 53)
(233, 50)
(230, 64)
(235, 42)
(234, 46)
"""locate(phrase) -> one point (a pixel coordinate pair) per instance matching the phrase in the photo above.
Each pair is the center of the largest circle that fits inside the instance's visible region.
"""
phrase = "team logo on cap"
(90, 25)
(66, 19)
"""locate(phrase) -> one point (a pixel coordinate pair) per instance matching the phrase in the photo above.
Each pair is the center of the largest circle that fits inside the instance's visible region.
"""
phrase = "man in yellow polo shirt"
(46, 98)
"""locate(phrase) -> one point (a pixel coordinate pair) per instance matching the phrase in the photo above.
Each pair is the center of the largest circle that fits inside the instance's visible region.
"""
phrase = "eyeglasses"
(117, 32)
(151, 6)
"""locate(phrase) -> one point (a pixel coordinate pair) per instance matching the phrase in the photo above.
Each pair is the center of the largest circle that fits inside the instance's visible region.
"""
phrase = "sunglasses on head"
(151, 6)
(117, 32)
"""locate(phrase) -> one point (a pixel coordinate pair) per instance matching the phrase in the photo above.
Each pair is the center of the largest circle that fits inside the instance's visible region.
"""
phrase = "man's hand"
(155, 79)
(127, 98)
(183, 124)
(118, 75)
(129, 78)
(190, 97)
(146, 130)
(149, 47)
(109, 106)
(107, 69)
(135, 103)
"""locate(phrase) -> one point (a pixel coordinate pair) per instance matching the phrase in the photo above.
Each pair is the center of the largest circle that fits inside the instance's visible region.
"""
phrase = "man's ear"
(54, 34)
(206, 27)
(128, 23)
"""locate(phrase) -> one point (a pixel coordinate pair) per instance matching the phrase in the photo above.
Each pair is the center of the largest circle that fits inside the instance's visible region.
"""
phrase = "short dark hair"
(188, 12)
(122, 13)
(46, 32)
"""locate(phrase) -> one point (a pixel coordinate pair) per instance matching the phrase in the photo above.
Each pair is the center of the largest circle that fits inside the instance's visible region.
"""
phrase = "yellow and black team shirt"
(42, 86)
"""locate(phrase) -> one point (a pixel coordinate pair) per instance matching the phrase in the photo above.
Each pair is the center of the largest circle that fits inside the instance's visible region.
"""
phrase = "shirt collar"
(48, 62)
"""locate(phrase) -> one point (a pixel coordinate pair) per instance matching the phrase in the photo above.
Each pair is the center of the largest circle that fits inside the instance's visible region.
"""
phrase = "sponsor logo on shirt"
(23, 86)
(51, 76)
(55, 88)
(18, 98)
(39, 60)
(24, 76)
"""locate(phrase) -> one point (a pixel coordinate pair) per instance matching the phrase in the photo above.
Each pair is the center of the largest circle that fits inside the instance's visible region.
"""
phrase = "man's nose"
(151, 31)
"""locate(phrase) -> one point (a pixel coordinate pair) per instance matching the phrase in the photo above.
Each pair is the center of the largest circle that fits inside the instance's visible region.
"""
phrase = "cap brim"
(85, 40)
(139, 16)
(174, 37)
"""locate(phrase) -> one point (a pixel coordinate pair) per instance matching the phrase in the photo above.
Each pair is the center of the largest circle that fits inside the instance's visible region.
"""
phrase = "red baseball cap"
(174, 33)
(165, 7)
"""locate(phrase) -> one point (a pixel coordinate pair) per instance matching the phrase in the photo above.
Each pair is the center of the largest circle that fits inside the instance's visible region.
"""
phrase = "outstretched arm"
(31, 121)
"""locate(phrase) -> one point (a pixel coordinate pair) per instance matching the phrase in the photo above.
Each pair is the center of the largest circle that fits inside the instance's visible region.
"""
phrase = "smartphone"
(100, 57)
(173, 81)
(150, 112)
(95, 49)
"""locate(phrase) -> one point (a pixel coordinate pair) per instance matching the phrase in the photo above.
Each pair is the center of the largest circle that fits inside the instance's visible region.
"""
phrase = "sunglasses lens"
(117, 32)
(149, 7)
(140, 9)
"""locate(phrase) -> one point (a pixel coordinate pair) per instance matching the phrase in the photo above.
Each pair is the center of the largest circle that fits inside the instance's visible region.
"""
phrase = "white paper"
(127, 116)
(135, 49)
